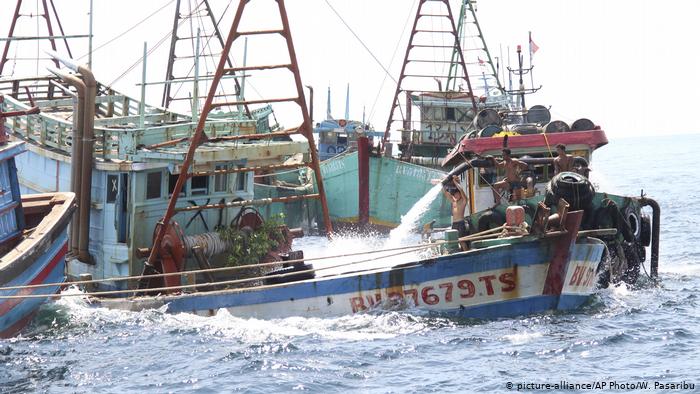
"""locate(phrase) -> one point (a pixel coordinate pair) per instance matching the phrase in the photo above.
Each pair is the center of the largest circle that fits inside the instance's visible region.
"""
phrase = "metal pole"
(12, 30)
(241, 96)
(195, 89)
(363, 178)
(142, 104)
(90, 38)
(311, 103)
(307, 126)
(87, 163)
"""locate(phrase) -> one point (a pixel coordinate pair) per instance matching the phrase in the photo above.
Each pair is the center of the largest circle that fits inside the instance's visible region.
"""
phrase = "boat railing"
(118, 134)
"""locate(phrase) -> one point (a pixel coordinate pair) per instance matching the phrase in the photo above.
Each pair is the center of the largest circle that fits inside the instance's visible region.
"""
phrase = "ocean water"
(646, 334)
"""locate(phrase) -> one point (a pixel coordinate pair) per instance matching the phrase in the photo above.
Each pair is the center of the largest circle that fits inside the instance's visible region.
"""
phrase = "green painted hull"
(394, 187)
(296, 214)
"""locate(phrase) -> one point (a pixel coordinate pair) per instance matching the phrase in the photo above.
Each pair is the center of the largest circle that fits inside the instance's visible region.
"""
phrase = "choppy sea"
(624, 336)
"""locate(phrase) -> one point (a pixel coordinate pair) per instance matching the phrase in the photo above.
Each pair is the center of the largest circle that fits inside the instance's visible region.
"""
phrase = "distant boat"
(33, 241)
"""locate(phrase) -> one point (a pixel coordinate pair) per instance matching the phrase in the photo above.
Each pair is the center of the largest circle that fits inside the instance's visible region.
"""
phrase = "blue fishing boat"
(33, 240)
(500, 277)
(518, 267)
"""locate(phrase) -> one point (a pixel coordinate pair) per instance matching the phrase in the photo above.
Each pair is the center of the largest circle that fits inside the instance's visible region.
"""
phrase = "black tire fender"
(490, 219)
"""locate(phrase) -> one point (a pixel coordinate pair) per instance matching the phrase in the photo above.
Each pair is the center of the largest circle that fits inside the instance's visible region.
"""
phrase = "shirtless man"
(563, 162)
(456, 196)
(512, 182)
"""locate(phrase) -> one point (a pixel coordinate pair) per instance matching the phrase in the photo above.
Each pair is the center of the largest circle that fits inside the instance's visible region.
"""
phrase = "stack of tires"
(576, 189)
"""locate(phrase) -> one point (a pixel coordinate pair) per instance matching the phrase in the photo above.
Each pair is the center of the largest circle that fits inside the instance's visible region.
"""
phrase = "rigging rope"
(393, 56)
(404, 249)
(118, 36)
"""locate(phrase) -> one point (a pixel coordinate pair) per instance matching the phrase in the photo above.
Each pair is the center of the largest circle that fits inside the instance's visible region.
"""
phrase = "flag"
(533, 47)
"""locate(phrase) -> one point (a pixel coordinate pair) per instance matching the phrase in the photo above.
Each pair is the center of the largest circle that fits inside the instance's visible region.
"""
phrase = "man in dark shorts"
(458, 198)
(512, 181)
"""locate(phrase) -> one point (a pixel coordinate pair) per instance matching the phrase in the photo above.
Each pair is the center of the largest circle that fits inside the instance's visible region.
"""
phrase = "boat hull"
(500, 281)
(36, 260)
(394, 187)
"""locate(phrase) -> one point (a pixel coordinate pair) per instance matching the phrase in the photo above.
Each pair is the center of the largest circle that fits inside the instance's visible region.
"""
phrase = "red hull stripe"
(11, 303)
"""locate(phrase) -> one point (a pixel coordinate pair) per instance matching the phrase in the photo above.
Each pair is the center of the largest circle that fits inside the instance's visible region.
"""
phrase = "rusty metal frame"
(172, 57)
(199, 137)
(49, 25)
(411, 46)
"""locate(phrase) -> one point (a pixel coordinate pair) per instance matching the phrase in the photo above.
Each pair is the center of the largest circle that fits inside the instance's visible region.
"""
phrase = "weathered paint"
(505, 280)
(48, 268)
(394, 187)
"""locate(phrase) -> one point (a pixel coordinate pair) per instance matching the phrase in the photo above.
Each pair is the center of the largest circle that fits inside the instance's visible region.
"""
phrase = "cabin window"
(200, 185)
(342, 140)
(172, 180)
(112, 188)
(241, 181)
(153, 185)
(221, 180)
(450, 114)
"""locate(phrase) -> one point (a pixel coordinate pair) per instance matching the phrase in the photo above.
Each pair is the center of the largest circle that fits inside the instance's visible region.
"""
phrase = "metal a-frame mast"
(50, 17)
(160, 251)
(467, 19)
(201, 11)
(417, 45)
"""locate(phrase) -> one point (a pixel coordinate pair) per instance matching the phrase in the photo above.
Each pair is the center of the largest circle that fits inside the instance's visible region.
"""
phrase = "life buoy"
(331, 149)
(342, 122)
(341, 148)
(634, 222)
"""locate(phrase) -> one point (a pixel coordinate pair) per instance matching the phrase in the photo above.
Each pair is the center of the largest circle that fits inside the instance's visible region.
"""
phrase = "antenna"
(328, 104)
(347, 103)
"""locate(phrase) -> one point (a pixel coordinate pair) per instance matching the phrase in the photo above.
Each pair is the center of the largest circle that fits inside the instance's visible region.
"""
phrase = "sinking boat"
(508, 277)
(512, 269)
(538, 258)
(33, 240)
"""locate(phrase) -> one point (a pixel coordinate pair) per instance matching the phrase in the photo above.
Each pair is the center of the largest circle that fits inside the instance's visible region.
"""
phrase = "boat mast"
(160, 251)
(417, 45)
(467, 16)
(43, 13)
(210, 36)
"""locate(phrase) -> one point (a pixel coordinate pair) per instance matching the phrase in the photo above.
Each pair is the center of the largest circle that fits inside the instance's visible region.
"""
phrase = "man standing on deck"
(512, 181)
(458, 198)
(563, 162)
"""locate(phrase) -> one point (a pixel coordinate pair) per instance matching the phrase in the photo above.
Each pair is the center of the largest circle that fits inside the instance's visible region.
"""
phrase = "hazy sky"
(626, 64)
